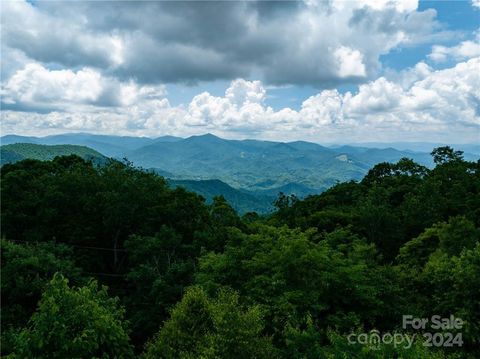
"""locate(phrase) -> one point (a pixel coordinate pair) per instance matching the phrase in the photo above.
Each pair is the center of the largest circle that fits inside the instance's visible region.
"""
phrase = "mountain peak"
(207, 136)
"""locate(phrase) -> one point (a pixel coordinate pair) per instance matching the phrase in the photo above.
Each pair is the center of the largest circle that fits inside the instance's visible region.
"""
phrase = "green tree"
(202, 327)
(70, 200)
(26, 270)
(445, 154)
(159, 270)
(451, 238)
(453, 283)
(451, 189)
(223, 214)
(439, 271)
(458, 234)
(292, 276)
(75, 323)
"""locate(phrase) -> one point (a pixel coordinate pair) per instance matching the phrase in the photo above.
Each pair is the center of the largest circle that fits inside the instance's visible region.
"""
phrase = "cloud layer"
(105, 67)
(425, 101)
(316, 43)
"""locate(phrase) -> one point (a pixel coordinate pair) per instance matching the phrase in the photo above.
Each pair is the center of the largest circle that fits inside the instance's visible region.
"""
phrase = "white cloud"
(476, 3)
(37, 87)
(242, 92)
(440, 105)
(240, 110)
(407, 77)
(36, 84)
(322, 109)
(465, 50)
(398, 5)
(376, 96)
(350, 62)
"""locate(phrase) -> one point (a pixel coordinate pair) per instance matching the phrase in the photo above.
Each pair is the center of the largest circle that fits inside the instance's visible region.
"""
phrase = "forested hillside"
(110, 261)
(19, 151)
(263, 168)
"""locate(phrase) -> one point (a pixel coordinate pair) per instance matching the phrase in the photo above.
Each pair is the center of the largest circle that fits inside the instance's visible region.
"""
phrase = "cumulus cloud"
(36, 84)
(242, 92)
(465, 50)
(438, 104)
(446, 97)
(350, 62)
(314, 42)
(37, 88)
(405, 78)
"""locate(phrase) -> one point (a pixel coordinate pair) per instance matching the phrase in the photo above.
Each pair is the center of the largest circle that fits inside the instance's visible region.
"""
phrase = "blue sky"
(324, 71)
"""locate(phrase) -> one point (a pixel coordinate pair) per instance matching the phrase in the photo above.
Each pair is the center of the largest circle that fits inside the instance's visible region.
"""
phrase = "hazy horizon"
(326, 143)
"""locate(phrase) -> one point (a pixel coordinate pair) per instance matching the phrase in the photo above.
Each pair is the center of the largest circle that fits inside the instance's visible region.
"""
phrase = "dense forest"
(108, 261)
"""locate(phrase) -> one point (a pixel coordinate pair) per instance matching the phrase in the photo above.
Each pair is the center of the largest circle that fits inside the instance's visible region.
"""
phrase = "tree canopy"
(105, 260)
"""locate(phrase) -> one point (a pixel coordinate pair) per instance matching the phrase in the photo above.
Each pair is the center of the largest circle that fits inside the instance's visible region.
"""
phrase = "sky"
(323, 71)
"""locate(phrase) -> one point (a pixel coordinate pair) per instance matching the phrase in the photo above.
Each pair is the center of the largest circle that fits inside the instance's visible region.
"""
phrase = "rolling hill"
(19, 151)
(270, 167)
(259, 167)
(111, 146)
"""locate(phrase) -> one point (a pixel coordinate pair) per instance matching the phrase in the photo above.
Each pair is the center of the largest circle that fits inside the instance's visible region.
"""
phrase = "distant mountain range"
(250, 173)
(111, 146)
(473, 149)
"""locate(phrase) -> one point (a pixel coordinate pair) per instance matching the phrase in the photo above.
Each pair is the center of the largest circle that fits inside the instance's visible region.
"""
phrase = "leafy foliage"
(212, 284)
(25, 273)
(333, 280)
(26, 270)
(75, 323)
(204, 327)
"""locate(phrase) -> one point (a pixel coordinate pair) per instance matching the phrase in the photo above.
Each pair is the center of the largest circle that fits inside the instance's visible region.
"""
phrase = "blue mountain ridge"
(255, 168)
